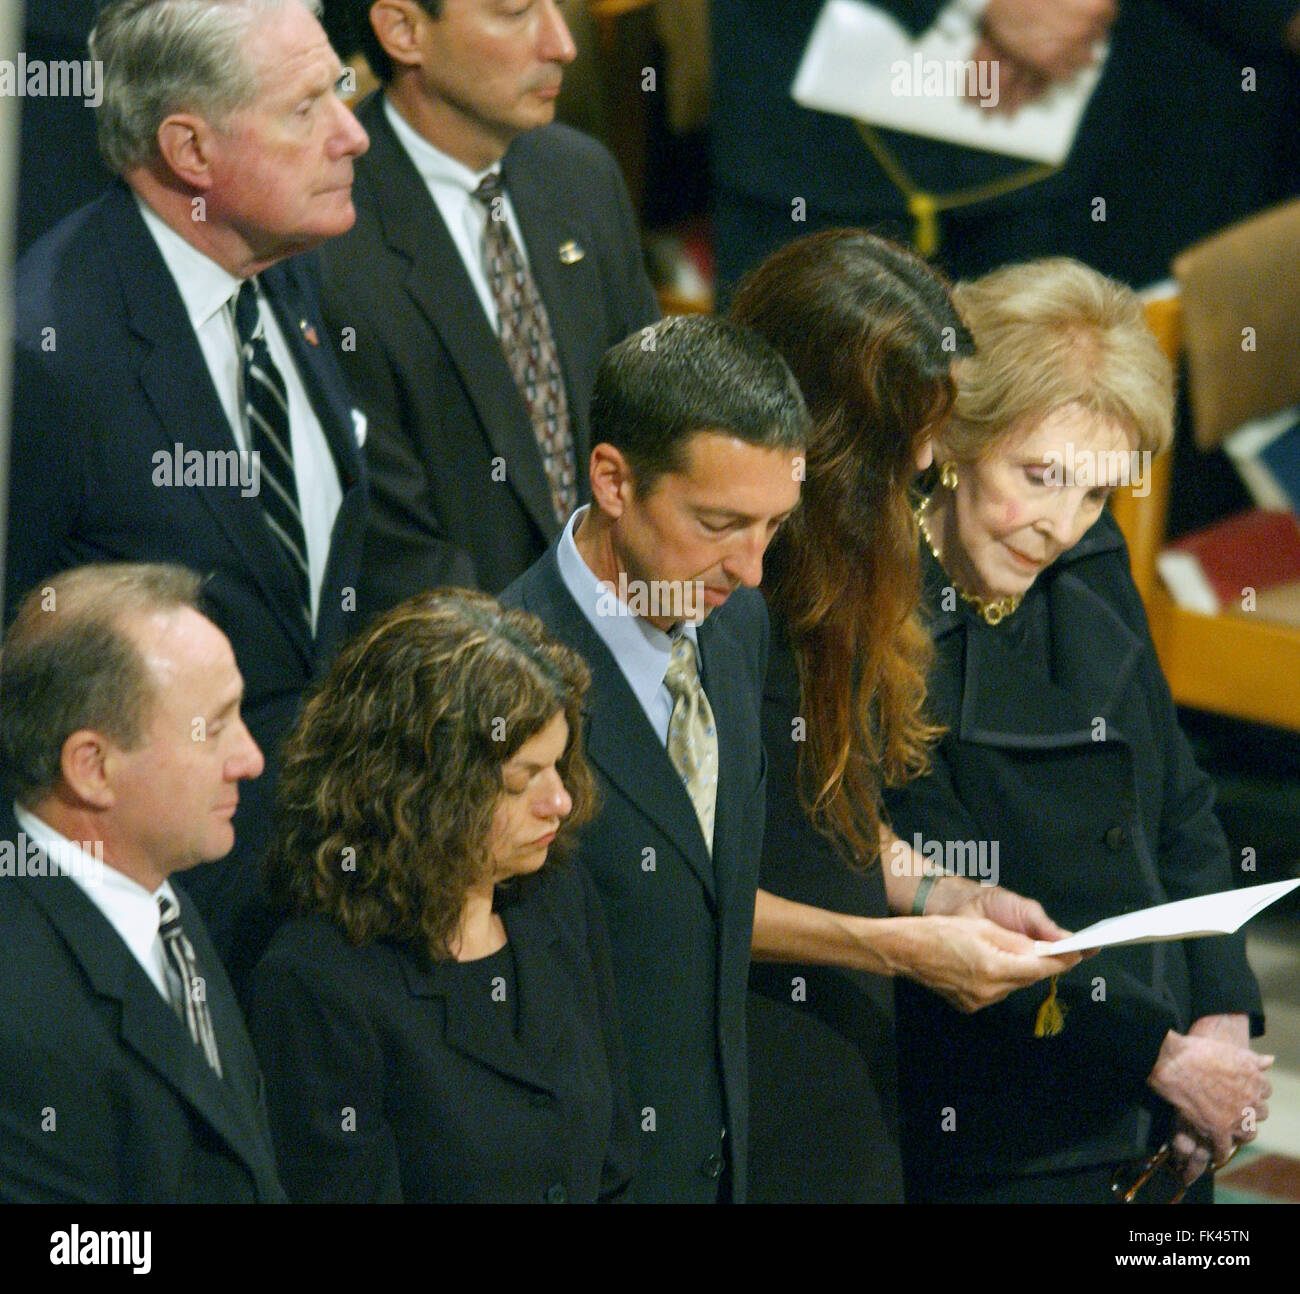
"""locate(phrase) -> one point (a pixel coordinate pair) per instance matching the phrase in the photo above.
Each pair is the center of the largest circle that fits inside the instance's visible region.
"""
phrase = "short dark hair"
(69, 662)
(658, 387)
(347, 24)
(394, 772)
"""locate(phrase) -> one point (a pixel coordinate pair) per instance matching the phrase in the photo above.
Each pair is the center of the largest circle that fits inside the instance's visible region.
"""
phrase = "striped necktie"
(692, 737)
(266, 411)
(189, 996)
(529, 346)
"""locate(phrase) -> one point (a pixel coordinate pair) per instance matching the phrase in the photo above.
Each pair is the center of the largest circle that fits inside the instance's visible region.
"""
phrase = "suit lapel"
(529, 1058)
(717, 646)
(620, 740)
(436, 281)
(175, 379)
(147, 1025)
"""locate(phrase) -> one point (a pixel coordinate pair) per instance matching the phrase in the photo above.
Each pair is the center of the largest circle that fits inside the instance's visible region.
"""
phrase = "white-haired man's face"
(281, 170)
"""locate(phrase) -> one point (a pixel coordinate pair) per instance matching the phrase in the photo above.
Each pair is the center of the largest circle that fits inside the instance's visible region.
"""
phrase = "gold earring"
(948, 475)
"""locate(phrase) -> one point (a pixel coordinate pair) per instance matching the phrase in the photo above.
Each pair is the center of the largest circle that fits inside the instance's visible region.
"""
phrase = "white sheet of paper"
(860, 63)
(1210, 914)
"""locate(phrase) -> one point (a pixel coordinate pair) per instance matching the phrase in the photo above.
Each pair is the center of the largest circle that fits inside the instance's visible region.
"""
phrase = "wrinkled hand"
(1012, 911)
(969, 961)
(1214, 1085)
(1192, 1153)
(1053, 38)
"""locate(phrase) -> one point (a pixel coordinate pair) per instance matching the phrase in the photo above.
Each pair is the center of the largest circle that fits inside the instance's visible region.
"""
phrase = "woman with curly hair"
(436, 1021)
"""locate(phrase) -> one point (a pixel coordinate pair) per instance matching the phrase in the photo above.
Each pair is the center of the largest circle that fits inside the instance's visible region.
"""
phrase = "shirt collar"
(434, 166)
(641, 650)
(205, 287)
(112, 892)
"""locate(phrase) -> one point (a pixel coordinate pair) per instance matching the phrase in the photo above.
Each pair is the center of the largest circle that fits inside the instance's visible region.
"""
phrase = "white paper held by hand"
(1210, 914)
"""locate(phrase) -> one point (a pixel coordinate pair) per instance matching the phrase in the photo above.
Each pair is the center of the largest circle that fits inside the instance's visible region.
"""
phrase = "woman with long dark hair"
(871, 335)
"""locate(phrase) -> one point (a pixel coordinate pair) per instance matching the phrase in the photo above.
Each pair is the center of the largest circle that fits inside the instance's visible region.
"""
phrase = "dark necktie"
(266, 406)
(529, 347)
(189, 996)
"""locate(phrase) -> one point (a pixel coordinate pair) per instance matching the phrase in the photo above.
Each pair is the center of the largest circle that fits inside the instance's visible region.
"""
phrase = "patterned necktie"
(529, 347)
(190, 1002)
(692, 737)
(266, 405)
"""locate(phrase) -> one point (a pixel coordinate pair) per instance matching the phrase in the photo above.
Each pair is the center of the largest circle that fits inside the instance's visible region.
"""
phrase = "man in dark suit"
(173, 399)
(698, 425)
(128, 1076)
(471, 319)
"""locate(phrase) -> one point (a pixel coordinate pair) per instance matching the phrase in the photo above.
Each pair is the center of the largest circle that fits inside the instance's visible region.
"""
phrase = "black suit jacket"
(107, 373)
(1084, 783)
(459, 492)
(106, 1100)
(442, 1111)
(680, 922)
(822, 1071)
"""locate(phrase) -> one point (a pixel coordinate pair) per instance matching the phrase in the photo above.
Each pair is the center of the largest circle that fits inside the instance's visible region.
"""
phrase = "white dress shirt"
(207, 291)
(641, 650)
(451, 185)
(129, 908)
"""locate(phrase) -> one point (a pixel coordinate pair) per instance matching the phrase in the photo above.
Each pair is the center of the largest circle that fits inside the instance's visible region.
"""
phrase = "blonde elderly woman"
(1063, 762)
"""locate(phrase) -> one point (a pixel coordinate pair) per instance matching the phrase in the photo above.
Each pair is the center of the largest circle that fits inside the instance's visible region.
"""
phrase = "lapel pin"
(570, 253)
(309, 333)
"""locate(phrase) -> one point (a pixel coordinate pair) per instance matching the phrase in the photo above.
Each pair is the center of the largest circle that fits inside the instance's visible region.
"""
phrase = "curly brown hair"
(393, 773)
(870, 333)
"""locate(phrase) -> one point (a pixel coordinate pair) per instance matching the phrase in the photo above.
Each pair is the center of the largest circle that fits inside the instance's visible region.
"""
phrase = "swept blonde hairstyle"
(1052, 333)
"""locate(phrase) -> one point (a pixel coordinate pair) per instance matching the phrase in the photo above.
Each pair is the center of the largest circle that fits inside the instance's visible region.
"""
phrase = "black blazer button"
(1116, 838)
(556, 1194)
(712, 1166)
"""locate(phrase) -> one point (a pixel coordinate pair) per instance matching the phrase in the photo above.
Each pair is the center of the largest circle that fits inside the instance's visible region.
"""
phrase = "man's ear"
(187, 146)
(86, 762)
(397, 27)
(612, 485)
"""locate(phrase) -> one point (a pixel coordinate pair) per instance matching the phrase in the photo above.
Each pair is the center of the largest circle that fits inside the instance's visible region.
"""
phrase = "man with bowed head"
(129, 1077)
(173, 399)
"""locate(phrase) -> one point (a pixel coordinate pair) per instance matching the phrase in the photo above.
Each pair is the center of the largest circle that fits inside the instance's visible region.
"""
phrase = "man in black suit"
(698, 427)
(471, 326)
(173, 398)
(128, 1076)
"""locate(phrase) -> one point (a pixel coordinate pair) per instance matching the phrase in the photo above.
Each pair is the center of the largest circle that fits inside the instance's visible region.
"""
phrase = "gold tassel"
(924, 208)
(1051, 1016)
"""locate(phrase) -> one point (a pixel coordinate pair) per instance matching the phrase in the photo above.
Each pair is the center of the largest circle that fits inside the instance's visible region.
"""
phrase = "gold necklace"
(991, 610)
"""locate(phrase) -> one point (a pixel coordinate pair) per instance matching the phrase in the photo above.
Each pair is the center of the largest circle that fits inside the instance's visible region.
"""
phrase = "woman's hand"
(970, 961)
(1006, 908)
(1217, 1087)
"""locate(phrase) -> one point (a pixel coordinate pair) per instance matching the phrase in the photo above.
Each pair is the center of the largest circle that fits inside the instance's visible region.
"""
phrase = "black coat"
(1169, 120)
(822, 1072)
(1063, 751)
(108, 372)
(104, 1097)
(442, 1111)
(680, 922)
(459, 493)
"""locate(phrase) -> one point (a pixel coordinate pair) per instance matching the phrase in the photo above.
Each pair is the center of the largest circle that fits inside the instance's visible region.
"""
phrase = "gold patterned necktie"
(529, 346)
(692, 736)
